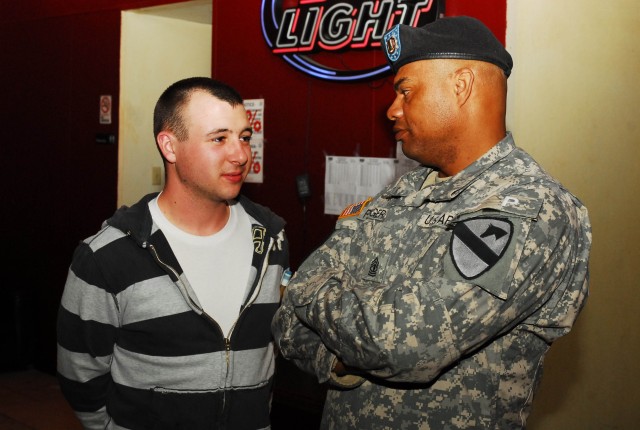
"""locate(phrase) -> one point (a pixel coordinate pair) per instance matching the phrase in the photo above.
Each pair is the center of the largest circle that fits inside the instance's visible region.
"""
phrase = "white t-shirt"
(216, 266)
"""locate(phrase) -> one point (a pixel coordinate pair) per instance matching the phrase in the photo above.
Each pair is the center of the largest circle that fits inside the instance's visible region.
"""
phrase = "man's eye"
(218, 139)
(246, 139)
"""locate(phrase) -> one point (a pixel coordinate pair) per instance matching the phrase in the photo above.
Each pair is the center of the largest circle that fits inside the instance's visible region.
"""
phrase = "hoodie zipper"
(227, 339)
(255, 294)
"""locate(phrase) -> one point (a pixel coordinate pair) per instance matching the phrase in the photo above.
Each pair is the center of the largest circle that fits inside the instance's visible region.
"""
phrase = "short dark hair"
(167, 113)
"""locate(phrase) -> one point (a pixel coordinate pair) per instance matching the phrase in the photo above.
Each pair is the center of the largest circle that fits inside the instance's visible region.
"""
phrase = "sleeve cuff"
(346, 381)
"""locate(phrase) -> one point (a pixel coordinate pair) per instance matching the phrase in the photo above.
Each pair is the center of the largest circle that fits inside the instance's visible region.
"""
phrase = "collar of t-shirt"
(217, 266)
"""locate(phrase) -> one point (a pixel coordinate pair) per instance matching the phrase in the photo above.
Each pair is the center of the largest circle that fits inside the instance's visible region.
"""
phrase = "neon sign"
(317, 36)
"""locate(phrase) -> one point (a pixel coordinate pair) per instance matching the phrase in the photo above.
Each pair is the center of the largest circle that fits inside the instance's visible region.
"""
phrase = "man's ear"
(166, 141)
(464, 80)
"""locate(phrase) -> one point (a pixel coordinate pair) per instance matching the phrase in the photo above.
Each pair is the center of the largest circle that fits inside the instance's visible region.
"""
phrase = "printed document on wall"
(351, 180)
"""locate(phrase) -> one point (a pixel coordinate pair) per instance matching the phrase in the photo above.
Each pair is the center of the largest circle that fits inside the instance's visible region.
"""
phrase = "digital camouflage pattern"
(445, 297)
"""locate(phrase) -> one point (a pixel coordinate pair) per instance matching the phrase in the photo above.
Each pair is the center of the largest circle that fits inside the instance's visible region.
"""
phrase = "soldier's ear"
(464, 80)
(166, 142)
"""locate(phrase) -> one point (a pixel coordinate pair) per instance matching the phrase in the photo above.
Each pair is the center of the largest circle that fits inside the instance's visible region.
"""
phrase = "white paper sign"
(350, 180)
(255, 114)
(105, 109)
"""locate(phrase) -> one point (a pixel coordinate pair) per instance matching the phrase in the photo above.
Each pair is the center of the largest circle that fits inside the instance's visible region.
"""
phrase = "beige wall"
(575, 104)
(156, 51)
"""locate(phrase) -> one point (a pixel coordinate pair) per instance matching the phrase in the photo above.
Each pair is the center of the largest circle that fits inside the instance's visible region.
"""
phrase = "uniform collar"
(408, 188)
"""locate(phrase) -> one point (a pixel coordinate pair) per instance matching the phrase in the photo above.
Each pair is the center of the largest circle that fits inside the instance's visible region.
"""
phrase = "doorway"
(159, 45)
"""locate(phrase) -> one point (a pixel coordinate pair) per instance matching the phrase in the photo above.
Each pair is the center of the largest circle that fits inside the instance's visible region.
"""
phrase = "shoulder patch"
(354, 209)
(477, 244)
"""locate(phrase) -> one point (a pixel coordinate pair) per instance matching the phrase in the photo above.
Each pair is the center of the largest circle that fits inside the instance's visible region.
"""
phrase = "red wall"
(307, 118)
(59, 56)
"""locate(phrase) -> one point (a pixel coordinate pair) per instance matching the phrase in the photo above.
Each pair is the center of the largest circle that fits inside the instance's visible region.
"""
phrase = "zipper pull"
(227, 348)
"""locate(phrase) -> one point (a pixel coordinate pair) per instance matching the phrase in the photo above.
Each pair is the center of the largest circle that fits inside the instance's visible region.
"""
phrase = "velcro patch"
(354, 209)
(376, 214)
(478, 244)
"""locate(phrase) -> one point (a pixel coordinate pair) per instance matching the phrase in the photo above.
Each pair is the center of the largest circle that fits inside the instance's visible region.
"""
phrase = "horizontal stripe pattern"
(202, 372)
(95, 420)
(174, 335)
(131, 338)
(78, 335)
(132, 408)
(81, 367)
(115, 267)
(151, 298)
(256, 324)
(103, 238)
(91, 302)
(247, 366)
(180, 373)
(87, 396)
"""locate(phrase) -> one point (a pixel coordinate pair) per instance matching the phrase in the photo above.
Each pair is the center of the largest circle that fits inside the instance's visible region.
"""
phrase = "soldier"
(433, 304)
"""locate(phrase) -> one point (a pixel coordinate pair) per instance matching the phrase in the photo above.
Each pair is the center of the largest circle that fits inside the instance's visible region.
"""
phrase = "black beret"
(459, 37)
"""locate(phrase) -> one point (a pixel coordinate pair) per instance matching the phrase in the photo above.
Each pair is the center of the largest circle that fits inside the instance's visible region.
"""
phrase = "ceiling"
(199, 11)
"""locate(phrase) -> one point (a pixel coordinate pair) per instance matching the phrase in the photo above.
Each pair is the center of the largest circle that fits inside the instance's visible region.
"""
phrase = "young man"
(433, 304)
(164, 320)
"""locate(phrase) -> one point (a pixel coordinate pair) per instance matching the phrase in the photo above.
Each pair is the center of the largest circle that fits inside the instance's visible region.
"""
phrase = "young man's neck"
(197, 216)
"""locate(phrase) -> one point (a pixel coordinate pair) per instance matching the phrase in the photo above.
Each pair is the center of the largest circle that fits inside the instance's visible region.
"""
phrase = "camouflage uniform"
(445, 297)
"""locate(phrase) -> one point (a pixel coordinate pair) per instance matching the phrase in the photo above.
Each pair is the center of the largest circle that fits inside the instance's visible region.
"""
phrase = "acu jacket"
(445, 298)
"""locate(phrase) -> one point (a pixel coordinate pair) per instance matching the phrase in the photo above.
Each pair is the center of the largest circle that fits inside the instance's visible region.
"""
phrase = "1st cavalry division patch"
(478, 244)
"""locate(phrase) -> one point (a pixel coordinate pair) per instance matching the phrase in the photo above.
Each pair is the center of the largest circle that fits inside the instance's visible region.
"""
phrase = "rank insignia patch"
(392, 43)
(478, 244)
(354, 209)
